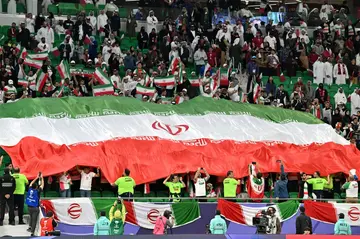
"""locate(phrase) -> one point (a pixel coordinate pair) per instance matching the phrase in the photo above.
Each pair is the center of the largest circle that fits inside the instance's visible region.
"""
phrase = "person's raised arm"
(328, 179)
(197, 174)
(41, 186)
(182, 182)
(207, 177)
(34, 181)
(97, 172)
(166, 179)
(78, 169)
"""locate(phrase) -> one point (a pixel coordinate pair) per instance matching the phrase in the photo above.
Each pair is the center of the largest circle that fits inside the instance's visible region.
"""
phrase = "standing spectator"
(282, 96)
(33, 201)
(319, 71)
(309, 92)
(142, 38)
(340, 98)
(318, 184)
(23, 36)
(131, 25)
(340, 73)
(102, 225)
(200, 57)
(253, 72)
(101, 22)
(230, 184)
(21, 182)
(86, 181)
(11, 33)
(152, 21)
(328, 72)
(341, 226)
(218, 224)
(352, 190)
(303, 222)
(65, 183)
(174, 187)
(68, 24)
(200, 183)
(125, 185)
(271, 87)
(7, 187)
(115, 23)
(280, 190)
(321, 94)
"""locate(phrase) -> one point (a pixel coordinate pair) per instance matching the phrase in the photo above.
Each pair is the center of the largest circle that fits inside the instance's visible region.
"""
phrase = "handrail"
(247, 200)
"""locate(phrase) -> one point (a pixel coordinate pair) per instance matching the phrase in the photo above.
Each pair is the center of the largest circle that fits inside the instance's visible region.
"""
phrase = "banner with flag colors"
(142, 90)
(195, 82)
(164, 81)
(23, 82)
(41, 80)
(101, 90)
(329, 212)
(101, 77)
(235, 212)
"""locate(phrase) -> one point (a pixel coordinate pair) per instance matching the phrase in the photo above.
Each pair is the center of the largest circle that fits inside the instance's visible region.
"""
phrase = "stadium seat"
(89, 7)
(77, 194)
(52, 194)
(123, 12)
(95, 194)
(107, 194)
(138, 194)
(53, 8)
(293, 194)
(20, 8)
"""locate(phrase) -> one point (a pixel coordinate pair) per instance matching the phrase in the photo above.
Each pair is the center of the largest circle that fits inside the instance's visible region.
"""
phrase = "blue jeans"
(85, 193)
(65, 193)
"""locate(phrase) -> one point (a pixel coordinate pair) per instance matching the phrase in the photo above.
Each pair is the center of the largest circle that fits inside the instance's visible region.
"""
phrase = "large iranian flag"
(155, 140)
(329, 212)
(238, 213)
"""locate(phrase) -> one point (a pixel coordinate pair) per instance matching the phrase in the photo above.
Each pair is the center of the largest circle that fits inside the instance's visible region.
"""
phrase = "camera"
(53, 233)
(262, 222)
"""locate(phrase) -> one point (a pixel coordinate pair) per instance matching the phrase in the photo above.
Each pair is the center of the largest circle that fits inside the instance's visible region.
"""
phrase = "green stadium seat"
(77, 194)
(90, 7)
(20, 8)
(95, 194)
(138, 194)
(293, 194)
(123, 12)
(52, 194)
(101, 7)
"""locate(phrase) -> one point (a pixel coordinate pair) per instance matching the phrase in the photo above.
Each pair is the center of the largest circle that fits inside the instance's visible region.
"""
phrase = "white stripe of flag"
(33, 63)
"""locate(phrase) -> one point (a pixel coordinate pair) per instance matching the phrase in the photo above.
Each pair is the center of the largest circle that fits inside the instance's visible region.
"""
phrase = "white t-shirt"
(64, 182)
(200, 187)
(32, 81)
(86, 180)
(352, 191)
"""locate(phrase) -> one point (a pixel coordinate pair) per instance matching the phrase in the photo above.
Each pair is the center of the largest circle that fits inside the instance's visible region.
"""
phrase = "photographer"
(274, 225)
(33, 201)
(117, 215)
(163, 222)
(47, 224)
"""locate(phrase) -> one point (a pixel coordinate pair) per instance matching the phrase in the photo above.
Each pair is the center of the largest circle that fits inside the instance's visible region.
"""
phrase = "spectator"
(65, 184)
(351, 188)
(152, 21)
(101, 22)
(341, 226)
(86, 181)
(7, 187)
(270, 86)
(115, 23)
(68, 24)
(340, 97)
(230, 184)
(321, 94)
(340, 72)
(280, 190)
(59, 28)
(309, 92)
(218, 224)
(102, 225)
(282, 96)
(200, 57)
(303, 222)
(125, 185)
(200, 183)
(142, 38)
(21, 182)
(174, 186)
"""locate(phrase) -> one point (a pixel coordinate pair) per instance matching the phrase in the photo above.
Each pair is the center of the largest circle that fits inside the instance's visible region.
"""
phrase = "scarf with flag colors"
(238, 213)
(33, 63)
(196, 127)
(329, 212)
(23, 82)
(101, 90)
(143, 90)
(64, 69)
(174, 65)
(101, 77)
(40, 81)
(164, 81)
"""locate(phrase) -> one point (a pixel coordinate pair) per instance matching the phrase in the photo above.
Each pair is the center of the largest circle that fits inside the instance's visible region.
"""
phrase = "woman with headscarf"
(270, 86)
(131, 25)
(336, 117)
(142, 38)
(93, 48)
(235, 52)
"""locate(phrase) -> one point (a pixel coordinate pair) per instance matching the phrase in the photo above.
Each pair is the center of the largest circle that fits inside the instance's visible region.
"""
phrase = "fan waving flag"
(23, 53)
(238, 213)
(145, 214)
(101, 77)
(329, 212)
(164, 81)
(39, 56)
(195, 82)
(55, 51)
(40, 81)
(23, 82)
(64, 70)
(174, 65)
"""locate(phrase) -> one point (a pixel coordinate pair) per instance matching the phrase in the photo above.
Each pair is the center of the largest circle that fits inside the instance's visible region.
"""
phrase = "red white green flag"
(23, 82)
(33, 63)
(195, 82)
(149, 91)
(39, 56)
(238, 213)
(101, 77)
(255, 186)
(164, 81)
(64, 70)
(101, 90)
(41, 80)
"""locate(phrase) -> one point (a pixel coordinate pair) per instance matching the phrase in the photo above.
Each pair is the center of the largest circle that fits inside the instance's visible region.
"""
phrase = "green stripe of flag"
(75, 106)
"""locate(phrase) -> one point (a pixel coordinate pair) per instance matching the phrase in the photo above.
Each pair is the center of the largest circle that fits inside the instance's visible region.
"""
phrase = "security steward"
(47, 224)
(7, 187)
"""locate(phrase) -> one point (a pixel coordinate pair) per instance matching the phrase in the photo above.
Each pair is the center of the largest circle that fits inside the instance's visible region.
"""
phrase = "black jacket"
(7, 184)
(302, 222)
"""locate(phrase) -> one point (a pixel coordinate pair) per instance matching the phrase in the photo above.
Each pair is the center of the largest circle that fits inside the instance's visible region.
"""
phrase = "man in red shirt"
(258, 40)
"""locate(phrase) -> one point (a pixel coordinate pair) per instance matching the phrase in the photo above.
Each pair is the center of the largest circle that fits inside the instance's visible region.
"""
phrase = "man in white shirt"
(200, 182)
(115, 79)
(245, 12)
(152, 21)
(93, 21)
(323, 14)
(101, 22)
(200, 57)
(352, 189)
(86, 181)
(106, 51)
(271, 40)
(10, 89)
(59, 28)
(110, 8)
(328, 7)
(43, 46)
(318, 71)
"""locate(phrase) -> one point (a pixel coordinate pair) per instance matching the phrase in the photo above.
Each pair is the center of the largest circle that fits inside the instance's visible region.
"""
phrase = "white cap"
(11, 82)
(72, 62)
